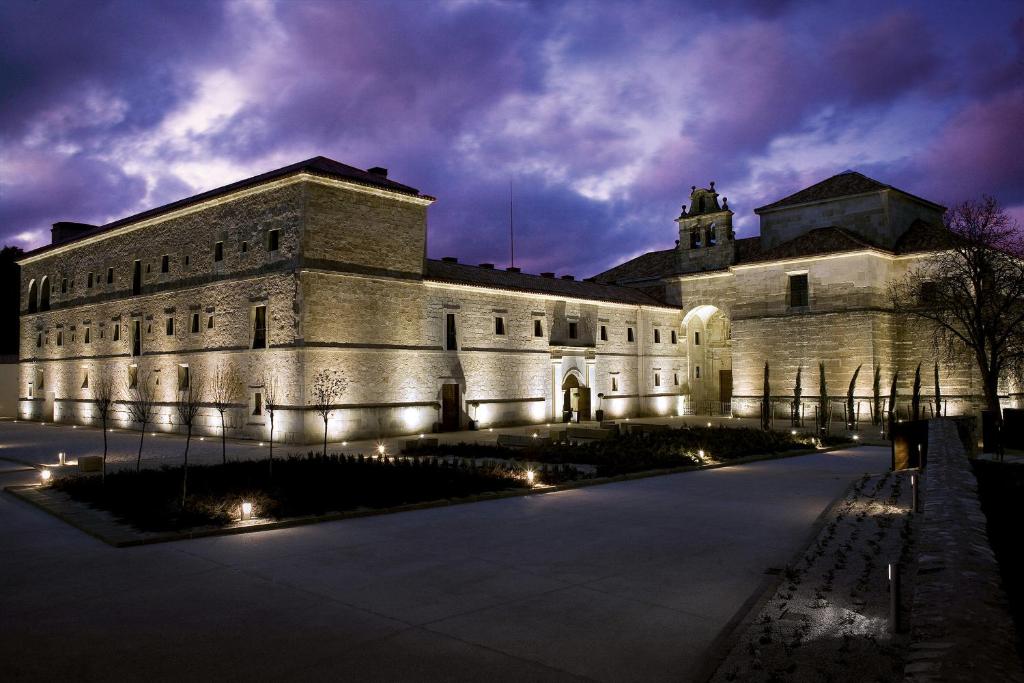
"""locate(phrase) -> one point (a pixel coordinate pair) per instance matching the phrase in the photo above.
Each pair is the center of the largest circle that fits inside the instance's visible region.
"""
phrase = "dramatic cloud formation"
(598, 115)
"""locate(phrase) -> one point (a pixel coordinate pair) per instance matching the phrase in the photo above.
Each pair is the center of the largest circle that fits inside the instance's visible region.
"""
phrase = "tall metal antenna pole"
(511, 229)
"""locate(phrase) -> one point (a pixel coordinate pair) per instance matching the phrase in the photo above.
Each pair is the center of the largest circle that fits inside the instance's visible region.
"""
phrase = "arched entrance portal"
(708, 336)
(575, 398)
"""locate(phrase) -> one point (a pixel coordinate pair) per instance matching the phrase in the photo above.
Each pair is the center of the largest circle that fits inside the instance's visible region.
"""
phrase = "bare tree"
(270, 398)
(851, 420)
(141, 399)
(223, 393)
(103, 394)
(968, 295)
(328, 387)
(188, 402)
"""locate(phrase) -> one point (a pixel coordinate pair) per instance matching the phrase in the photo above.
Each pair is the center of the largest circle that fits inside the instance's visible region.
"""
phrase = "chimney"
(568, 277)
(63, 231)
(378, 170)
(512, 269)
(547, 274)
(449, 259)
(488, 266)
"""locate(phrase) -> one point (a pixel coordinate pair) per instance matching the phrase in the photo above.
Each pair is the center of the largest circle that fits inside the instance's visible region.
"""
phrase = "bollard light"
(246, 511)
(793, 432)
(62, 458)
(709, 424)
(45, 475)
(530, 477)
(856, 437)
(344, 443)
(382, 449)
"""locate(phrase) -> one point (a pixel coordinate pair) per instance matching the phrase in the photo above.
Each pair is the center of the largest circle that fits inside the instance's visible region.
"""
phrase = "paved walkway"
(621, 582)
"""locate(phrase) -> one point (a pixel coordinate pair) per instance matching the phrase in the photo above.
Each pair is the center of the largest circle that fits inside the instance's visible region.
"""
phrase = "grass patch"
(1001, 489)
(150, 500)
(628, 453)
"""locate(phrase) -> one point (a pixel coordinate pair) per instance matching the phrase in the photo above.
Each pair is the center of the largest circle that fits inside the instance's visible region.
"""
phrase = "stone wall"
(962, 630)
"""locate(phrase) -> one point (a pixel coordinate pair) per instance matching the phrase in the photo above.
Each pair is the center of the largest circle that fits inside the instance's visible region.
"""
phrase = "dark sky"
(600, 114)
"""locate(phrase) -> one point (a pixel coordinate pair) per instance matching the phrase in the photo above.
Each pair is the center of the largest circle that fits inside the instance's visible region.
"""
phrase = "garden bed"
(637, 452)
(150, 500)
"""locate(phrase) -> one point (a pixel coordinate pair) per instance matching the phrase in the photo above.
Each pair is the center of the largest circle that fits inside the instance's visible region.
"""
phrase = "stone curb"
(122, 535)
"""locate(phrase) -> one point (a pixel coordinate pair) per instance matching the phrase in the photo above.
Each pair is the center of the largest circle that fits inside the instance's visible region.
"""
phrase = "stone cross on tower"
(705, 232)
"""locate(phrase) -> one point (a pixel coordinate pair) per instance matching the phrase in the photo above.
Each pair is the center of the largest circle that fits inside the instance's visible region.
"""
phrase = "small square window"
(657, 336)
(110, 276)
(538, 328)
(604, 333)
(273, 240)
(573, 330)
(674, 337)
(165, 263)
(218, 251)
(499, 325)
(629, 334)
(170, 327)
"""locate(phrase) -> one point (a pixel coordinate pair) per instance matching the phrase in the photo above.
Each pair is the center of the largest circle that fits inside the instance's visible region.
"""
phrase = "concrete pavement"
(621, 582)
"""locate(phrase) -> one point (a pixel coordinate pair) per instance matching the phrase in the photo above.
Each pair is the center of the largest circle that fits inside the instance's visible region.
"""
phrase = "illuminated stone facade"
(320, 265)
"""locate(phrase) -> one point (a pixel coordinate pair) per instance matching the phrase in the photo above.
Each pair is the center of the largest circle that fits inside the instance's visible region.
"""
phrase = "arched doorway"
(708, 334)
(575, 398)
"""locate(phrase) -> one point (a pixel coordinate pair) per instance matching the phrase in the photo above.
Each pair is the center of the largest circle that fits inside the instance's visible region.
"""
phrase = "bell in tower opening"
(705, 232)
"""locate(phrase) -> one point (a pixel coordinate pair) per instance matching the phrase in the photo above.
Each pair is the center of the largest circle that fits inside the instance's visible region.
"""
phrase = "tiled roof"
(652, 265)
(321, 166)
(459, 273)
(921, 236)
(844, 184)
(831, 240)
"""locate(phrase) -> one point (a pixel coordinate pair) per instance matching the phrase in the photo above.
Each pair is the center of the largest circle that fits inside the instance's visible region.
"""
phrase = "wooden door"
(450, 407)
(725, 386)
(583, 404)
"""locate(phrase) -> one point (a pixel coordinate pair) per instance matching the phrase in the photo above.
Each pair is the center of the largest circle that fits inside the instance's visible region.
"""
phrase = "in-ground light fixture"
(246, 511)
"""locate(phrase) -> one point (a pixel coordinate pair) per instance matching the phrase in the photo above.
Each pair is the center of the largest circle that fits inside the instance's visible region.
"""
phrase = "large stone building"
(322, 265)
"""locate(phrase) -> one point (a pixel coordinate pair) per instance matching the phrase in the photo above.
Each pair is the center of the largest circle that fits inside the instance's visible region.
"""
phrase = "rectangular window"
(245, 247)
(85, 379)
(798, 290)
(88, 335)
(259, 327)
(188, 260)
(209, 322)
(101, 332)
(60, 338)
(257, 403)
(450, 342)
(604, 333)
(39, 340)
(136, 278)
(629, 334)
(88, 281)
(657, 336)
(133, 376)
(499, 325)
(165, 263)
(110, 276)
(573, 330)
(273, 240)
(538, 329)
(183, 377)
(696, 371)
(675, 339)
(195, 323)
(117, 331)
(675, 378)
(696, 338)
(218, 251)
(63, 285)
(170, 327)
(657, 379)
(136, 337)
(615, 383)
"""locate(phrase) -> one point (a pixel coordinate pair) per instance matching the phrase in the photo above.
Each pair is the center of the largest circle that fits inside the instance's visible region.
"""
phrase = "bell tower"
(706, 239)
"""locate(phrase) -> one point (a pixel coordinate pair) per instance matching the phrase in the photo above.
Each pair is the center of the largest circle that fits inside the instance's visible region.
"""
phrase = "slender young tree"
(938, 393)
(328, 388)
(223, 394)
(915, 397)
(876, 396)
(797, 392)
(892, 401)
(766, 402)
(851, 420)
(141, 399)
(823, 400)
(103, 395)
(189, 401)
(270, 399)
(968, 294)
